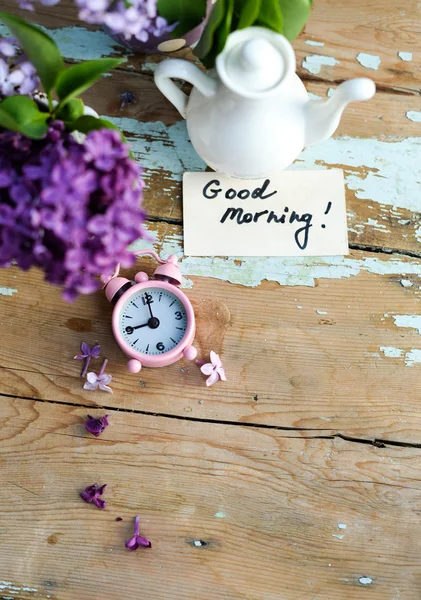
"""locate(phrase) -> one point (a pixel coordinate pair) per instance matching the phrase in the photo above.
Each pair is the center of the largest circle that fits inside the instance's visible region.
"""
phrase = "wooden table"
(300, 477)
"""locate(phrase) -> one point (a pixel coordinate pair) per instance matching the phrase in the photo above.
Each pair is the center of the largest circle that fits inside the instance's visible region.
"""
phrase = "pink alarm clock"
(153, 321)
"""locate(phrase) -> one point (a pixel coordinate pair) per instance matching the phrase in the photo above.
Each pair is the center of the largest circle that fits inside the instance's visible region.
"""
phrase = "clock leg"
(190, 352)
(134, 366)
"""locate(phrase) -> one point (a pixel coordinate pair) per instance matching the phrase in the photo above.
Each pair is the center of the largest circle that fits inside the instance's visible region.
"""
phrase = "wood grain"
(265, 507)
(296, 356)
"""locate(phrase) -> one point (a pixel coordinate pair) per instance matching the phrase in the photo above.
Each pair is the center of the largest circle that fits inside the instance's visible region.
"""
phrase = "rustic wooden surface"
(297, 479)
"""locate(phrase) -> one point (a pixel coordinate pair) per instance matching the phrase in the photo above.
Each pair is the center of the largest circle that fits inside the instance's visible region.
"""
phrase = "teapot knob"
(258, 53)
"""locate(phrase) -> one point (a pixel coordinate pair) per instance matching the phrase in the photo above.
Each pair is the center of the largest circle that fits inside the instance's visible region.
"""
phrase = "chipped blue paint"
(314, 63)
(405, 56)
(79, 43)
(414, 115)
(411, 321)
(6, 291)
(391, 351)
(314, 43)
(290, 271)
(390, 169)
(159, 148)
(369, 61)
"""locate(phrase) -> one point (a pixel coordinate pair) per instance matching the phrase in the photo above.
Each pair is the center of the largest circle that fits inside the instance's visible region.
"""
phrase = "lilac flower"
(127, 98)
(104, 149)
(96, 426)
(93, 493)
(131, 18)
(100, 381)
(29, 4)
(16, 76)
(136, 541)
(87, 354)
(214, 369)
(69, 208)
(7, 47)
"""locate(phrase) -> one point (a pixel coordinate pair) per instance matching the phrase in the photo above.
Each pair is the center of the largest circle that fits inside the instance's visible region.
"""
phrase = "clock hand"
(130, 329)
(148, 300)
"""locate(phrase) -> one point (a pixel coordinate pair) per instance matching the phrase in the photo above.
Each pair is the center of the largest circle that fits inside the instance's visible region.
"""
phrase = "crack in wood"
(384, 250)
(377, 442)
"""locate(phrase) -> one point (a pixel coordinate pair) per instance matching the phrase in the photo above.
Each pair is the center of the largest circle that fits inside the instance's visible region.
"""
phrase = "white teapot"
(252, 118)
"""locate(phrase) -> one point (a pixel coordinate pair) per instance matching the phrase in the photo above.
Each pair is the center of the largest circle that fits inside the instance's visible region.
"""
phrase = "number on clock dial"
(153, 321)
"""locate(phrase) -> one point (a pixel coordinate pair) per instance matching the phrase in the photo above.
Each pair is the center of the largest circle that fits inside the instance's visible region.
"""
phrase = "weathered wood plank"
(375, 145)
(342, 31)
(277, 517)
(342, 356)
(381, 173)
(352, 30)
(380, 159)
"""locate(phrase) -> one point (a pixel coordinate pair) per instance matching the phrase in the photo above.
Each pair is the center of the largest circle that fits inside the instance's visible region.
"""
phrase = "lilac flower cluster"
(131, 18)
(69, 208)
(17, 75)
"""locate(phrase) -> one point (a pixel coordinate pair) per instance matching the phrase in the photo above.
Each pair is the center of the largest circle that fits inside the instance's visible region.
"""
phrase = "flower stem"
(85, 368)
(50, 104)
(103, 367)
(136, 525)
(199, 362)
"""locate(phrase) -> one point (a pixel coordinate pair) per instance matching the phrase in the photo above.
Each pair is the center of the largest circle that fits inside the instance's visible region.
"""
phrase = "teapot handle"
(182, 69)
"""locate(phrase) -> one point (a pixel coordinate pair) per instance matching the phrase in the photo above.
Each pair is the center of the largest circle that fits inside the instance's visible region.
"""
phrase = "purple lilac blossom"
(93, 494)
(70, 209)
(131, 18)
(137, 540)
(17, 75)
(29, 4)
(87, 354)
(96, 426)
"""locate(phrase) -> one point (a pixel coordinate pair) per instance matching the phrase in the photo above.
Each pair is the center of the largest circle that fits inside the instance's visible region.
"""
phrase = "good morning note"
(295, 213)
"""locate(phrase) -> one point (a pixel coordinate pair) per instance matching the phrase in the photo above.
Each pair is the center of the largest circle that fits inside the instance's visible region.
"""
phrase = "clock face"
(153, 321)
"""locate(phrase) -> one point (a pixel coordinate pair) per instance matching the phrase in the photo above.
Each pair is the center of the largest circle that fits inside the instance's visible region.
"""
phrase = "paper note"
(295, 213)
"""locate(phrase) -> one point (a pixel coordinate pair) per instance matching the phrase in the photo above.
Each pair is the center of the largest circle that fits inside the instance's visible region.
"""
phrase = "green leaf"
(187, 13)
(76, 79)
(88, 123)
(38, 47)
(295, 14)
(270, 15)
(36, 129)
(71, 111)
(19, 113)
(249, 13)
(204, 46)
(224, 29)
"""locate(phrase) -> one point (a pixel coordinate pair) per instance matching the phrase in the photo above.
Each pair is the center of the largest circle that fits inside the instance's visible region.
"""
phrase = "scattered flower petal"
(119, 519)
(214, 369)
(127, 98)
(101, 381)
(96, 426)
(137, 540)
(92, 495)
(87, 354)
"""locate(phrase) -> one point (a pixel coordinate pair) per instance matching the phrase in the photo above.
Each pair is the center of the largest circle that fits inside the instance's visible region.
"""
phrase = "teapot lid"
(255, 61)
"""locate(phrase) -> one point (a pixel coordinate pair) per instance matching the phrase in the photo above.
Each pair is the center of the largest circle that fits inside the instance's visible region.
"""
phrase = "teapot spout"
(322, 118)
